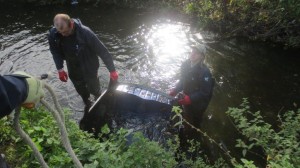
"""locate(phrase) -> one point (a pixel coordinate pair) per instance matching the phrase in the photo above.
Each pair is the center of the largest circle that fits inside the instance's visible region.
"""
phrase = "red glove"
(63, 76)
(173, 93)
(114, 76)
(185, 101)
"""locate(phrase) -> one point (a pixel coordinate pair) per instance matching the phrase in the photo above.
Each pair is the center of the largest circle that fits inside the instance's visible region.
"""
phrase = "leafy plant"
(281, 148)
(122, 148)
(113, 151)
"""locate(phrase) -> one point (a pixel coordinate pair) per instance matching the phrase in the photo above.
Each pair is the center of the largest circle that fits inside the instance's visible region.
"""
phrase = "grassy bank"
(113, 151)
(280, 146)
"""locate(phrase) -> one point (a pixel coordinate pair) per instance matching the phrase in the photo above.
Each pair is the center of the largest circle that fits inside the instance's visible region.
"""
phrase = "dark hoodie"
(88, 48)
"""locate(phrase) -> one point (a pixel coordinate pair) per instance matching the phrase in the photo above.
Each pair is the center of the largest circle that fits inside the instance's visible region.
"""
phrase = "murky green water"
(148, 48)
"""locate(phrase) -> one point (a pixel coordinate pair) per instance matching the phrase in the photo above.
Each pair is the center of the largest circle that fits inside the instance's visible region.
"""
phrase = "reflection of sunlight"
(165, 47)
(169, 45)
(167, 41)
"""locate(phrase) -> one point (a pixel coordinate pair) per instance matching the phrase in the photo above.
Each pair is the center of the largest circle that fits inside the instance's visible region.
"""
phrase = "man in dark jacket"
(19, 89)
(197, 83)
(75, 43)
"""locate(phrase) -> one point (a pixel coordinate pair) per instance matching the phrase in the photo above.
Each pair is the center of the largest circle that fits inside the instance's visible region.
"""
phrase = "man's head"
(198, 53)
(64, 24)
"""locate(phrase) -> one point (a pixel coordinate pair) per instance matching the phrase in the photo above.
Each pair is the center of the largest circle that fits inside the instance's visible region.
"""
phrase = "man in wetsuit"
(197, 83)
(78, 45)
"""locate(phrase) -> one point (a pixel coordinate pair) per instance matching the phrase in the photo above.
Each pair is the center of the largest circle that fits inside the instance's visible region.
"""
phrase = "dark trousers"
(193, 115)
(85, 84)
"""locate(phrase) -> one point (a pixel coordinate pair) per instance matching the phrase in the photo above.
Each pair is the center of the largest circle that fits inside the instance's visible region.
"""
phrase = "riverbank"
(279, 147)
(273, 22)
(114, 150)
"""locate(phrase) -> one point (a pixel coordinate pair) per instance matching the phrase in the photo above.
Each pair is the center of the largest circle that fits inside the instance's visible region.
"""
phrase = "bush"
(276, 21)
(112, 152)
(281, 148)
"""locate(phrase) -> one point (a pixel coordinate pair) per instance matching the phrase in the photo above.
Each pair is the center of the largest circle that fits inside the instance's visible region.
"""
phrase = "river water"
(148, 48)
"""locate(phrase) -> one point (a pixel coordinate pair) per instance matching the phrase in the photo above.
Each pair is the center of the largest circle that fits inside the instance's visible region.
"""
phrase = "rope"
(27, 139)
(57, 105)
(59, 117)
(183, 120)
(209, 138)
(64, 134)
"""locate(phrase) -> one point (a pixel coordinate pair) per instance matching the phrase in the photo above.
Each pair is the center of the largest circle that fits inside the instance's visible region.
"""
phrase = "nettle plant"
(281, 148)
(112, 151)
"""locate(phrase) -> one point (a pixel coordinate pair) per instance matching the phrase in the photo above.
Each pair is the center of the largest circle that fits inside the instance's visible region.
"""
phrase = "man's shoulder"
(84, 33)
(82, 28)
(53, 33)
(86, 29)
(53, 30)
(206, 70)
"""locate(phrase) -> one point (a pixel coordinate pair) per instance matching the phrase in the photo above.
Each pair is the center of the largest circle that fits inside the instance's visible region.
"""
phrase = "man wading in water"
(197, 84)
(78, 45)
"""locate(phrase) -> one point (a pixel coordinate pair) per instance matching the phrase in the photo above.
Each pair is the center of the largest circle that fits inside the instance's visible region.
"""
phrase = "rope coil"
(60, 120)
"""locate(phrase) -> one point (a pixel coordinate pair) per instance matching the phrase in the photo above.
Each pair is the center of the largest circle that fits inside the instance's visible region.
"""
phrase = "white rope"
(27, 139)
(57, 105)
(59, 117)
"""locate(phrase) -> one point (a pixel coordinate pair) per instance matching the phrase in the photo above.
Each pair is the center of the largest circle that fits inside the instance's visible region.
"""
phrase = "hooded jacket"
(89, 47)
(13, 91)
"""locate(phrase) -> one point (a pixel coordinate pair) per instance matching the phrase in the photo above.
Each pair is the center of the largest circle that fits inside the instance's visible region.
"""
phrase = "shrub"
(281, 148)
(112, 152)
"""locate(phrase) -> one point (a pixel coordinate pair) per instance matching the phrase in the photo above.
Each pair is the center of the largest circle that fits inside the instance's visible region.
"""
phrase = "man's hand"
(114, 76)
(63, 76)
(185, 101)
(35, 90)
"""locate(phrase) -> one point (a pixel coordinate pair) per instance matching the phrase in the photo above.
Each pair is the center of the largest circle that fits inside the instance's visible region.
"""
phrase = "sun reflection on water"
(156, 52)
(169, 45)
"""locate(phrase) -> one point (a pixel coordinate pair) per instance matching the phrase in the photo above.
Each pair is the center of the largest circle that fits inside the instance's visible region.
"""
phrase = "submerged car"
(133, 107)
